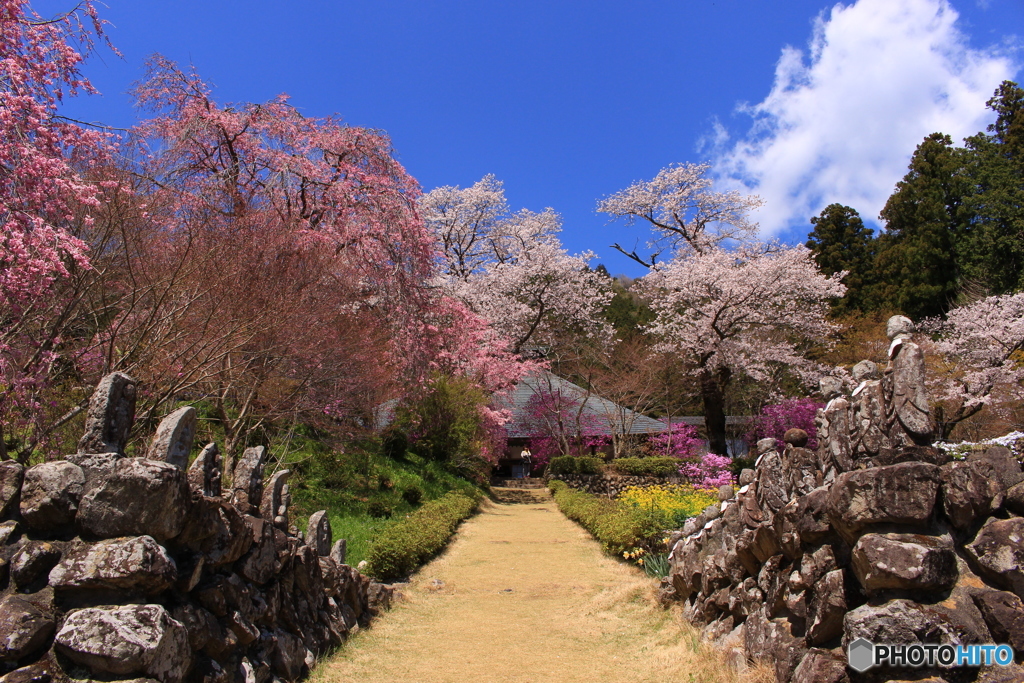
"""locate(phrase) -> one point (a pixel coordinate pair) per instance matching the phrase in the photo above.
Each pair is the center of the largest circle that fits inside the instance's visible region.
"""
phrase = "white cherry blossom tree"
(511, 268)
(975, 358)
(684, 211)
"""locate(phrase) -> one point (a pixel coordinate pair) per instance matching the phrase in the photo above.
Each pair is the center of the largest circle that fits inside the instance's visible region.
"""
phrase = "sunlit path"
(523, 594)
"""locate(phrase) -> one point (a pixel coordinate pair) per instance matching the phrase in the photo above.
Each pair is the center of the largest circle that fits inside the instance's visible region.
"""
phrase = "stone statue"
(339, 550)
(869, 437)
(833, 431)
(771, 477)
(110, 417)
(319, 534)
(276, 499)
(247, 479)
(173, 439)
(908, 418)
(204, 474)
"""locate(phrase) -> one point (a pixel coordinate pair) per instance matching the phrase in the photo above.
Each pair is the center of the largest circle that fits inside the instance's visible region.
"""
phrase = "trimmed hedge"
(647, 467)
(619, 527)
(408, 543)
(570, 464)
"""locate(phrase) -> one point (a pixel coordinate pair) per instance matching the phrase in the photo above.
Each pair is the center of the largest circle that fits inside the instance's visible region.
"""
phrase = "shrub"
(379, 509)
(792, 413)
(621, 529)
(393, 443)
(412, 494)
(710, 472)
(647, 467)
(680, 442)
(408, 543)
(570, 464)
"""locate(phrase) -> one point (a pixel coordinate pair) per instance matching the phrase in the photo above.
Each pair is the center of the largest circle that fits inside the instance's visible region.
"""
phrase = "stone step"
(535, 483)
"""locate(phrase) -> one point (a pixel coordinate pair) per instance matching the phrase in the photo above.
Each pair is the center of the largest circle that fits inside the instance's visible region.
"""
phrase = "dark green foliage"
(620, 528)
(448, 425)
(991, 251)
(571, 464)
(627, 312)
(379, 509)
(405, 545)
(839, 241)
(917, 268)
(647, 467)
(412, 494)
(394, 443)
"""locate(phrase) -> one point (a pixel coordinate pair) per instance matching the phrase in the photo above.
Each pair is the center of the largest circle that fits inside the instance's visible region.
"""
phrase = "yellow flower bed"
(677, 502)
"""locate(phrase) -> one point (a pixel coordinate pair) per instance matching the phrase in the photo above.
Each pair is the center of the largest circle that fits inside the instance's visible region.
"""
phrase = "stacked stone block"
(119, 568)
(892, 542)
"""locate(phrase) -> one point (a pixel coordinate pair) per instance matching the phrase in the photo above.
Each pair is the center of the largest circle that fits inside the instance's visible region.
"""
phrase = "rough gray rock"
(50, 494)
(905, 493)
(826, 608)
(204, 475)
(904, 562)
(319, 534)
(276, 499)
(34, 673)
(900, 621)
(231, 539)
(134, 639)
(967, 493)
(259, 562)
(172, 442)
(12, 475)
(1004, 614)
(110, 417)
(137, 564)
(339, 550)
(137, 497)
(997, 553)
(247, 478)
(32, 562)
(821, 666)
(24, 628)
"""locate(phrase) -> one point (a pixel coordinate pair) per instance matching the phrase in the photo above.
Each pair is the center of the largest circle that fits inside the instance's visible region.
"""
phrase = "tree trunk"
(712, 389)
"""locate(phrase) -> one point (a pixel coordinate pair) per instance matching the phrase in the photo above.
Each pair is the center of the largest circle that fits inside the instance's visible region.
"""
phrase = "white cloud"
(842, 119)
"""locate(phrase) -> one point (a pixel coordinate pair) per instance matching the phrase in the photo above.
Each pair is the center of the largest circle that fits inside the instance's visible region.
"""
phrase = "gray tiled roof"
(609, 416)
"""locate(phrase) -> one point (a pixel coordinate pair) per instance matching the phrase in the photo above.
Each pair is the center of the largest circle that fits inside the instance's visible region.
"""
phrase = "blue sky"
(804, 102)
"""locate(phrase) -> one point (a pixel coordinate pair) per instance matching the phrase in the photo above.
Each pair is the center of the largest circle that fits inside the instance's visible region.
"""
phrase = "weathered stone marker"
(110, 417)
(204, 474)
(173, 439)
(276, 498)
(247, 479)
(319, 534)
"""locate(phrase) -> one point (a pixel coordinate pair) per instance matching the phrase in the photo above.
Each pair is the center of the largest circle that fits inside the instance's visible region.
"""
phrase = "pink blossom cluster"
(792, 413)
(681, 441)
(710, 472)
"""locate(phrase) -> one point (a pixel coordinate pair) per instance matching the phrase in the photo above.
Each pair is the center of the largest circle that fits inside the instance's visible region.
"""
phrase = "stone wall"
(119, 568)
(611, 485)
(877, 535)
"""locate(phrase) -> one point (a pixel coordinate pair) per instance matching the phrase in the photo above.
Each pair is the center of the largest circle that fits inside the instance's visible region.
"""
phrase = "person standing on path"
(527, 462)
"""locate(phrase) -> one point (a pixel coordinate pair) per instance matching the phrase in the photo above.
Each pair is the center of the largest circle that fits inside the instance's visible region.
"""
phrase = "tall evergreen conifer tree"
(840, 241)
(917, 268)
(991, 252)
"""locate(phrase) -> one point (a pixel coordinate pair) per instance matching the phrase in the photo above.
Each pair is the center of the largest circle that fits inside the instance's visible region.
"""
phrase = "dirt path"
(524, 595)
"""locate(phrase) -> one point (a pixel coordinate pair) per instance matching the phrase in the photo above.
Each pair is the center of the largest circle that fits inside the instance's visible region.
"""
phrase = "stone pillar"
(110, 417)
(173, 439)
(204, 474)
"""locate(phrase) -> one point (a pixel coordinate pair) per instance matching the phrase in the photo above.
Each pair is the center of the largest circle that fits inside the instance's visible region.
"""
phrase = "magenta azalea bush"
(679, 442)
(710, 472)
(792, 413)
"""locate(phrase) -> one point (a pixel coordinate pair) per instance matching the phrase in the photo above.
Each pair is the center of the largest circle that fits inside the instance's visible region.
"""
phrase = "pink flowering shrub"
(792, 413)
(710, 472)
(680, 442)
